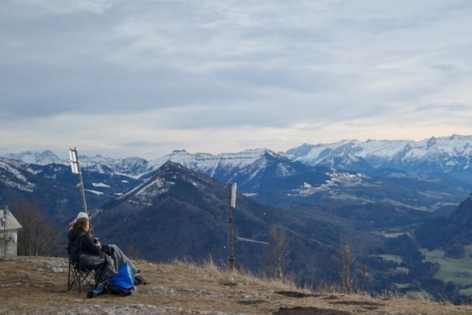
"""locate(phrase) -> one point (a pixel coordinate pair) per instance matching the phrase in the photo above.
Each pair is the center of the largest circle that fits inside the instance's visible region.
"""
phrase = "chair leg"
(76, 277)
(68, 279)
(82, 277)
(85, 279)
(72, 277)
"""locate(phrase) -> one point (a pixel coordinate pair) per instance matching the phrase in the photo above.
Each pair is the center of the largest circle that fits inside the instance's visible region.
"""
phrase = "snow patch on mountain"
(144, 193)
(342, 179)
(11, 177)
(100, 185)
(284, 170)
(94, 192)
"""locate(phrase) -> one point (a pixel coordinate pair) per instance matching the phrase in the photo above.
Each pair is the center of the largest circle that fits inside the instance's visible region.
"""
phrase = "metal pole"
(232, 259)
(74, 163)
(82, 189)
(4, 220)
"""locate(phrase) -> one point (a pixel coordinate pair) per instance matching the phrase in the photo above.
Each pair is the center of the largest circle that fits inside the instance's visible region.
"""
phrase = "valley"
(406, 226)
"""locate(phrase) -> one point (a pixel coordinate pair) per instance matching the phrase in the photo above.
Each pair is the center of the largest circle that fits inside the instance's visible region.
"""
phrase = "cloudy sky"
(145, 77)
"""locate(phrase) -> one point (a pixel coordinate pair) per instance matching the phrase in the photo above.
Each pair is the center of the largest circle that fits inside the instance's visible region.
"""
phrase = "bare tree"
(346, 274)
(365, 276)
(280, 250)
(38, 236)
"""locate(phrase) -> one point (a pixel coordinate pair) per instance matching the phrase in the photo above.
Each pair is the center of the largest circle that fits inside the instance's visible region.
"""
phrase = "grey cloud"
(104, 88)
(296, 80)
(449, 108)
(192, 65)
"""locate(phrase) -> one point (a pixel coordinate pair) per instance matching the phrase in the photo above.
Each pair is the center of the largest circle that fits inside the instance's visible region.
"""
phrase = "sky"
(146, 77)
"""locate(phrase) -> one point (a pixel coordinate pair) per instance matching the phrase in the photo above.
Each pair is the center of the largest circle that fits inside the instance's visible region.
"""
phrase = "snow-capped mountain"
(418, 175)
(56, 188)
(450, 155)
(39, 158)
(12, 175)
(132, 167)
(210, 164)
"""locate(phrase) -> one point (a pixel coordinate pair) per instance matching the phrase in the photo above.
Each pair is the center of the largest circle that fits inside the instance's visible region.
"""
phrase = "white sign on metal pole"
(232, 205)
(233, 195)
(74, 161)
(74, 164)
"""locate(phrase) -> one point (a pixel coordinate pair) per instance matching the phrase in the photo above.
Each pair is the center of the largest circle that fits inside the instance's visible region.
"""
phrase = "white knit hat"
(82, 215)
(79, 215)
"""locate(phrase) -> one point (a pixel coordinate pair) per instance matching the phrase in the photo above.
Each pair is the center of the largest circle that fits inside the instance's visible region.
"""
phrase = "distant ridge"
(451, 155)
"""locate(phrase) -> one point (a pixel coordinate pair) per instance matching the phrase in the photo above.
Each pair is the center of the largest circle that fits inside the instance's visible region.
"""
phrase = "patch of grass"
(185, 287)
(468, 251)
(394, 258)
(434, 254)
(211, 271)
(452, 270)
(402, 285)
(466, 292)
(419, 295)
(403, 269)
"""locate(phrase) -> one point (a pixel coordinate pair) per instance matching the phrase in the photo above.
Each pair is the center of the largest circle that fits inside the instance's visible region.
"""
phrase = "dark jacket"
(81, 244)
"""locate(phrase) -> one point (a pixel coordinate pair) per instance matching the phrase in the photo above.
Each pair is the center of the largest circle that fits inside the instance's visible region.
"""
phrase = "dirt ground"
(38, 285)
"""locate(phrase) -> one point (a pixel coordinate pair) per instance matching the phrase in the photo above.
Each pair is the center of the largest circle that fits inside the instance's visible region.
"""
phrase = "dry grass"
(37, 285)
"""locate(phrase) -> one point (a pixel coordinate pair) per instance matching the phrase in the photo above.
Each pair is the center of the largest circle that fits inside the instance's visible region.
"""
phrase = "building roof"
(12, 223)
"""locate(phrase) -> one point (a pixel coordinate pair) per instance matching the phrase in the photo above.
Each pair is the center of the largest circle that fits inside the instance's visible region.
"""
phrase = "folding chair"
(81, 274)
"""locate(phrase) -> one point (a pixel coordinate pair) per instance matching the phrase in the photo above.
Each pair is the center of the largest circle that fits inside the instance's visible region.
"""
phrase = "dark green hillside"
(179, 213)
(448, 232)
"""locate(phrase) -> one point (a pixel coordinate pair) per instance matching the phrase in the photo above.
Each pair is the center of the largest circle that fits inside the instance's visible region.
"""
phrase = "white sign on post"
(74, 161)
(233, 195)
(74, 164)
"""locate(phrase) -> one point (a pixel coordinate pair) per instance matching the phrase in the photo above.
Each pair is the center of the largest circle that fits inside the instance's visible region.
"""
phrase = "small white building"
(9, 227)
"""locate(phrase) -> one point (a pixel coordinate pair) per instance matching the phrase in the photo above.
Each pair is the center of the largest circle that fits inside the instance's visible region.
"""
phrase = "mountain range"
(449, 155)
(319, 195)
(429, 175)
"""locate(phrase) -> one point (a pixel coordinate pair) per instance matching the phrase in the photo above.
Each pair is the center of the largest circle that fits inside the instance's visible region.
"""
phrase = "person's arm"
(89, 246)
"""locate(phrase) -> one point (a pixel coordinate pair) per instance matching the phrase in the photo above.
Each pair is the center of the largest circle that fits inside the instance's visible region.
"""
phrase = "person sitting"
(91, 251)
(81, 215)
